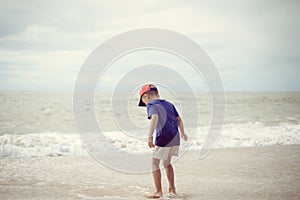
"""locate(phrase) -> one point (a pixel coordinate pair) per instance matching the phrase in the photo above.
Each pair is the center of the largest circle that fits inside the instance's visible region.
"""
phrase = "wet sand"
(237, 173)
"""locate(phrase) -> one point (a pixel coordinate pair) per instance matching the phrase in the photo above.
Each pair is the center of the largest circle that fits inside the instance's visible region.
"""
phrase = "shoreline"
(269, 172)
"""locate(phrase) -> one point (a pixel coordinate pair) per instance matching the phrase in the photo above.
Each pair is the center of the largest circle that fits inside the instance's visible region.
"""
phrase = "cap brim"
(141, 103)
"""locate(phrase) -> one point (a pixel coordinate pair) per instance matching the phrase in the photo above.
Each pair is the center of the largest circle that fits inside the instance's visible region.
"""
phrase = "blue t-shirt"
(167, 133)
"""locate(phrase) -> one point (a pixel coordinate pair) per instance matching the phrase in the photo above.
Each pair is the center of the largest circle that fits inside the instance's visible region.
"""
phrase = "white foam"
(61, 144)
(252, 135)
(45, 144)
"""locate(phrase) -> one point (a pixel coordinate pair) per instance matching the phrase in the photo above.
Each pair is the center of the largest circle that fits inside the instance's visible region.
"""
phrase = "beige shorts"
(162, 153)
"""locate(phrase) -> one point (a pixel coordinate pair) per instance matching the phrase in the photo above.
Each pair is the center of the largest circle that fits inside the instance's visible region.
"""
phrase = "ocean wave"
(40, 144)
(252, 135)
(63, 144)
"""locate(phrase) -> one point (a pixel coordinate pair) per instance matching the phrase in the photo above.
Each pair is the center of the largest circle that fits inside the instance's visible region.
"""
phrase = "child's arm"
(153, 124)
(181, 128)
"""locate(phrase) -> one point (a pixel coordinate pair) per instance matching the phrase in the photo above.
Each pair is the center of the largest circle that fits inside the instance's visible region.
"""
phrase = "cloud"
(246, 40)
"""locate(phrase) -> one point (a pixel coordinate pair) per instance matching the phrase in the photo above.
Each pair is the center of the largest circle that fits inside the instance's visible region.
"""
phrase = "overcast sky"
(254, 43)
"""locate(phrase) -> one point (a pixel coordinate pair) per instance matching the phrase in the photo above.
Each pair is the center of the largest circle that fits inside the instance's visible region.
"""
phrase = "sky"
(254, 44)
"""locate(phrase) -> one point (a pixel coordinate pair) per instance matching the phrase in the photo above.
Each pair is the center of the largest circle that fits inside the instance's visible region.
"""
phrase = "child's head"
(147, 93)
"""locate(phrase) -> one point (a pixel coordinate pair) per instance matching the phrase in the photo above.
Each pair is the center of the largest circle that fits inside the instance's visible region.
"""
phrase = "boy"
(165, 120)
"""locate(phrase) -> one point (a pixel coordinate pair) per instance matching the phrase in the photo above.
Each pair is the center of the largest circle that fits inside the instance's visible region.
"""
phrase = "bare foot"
(156, 195)
(172, 195)
(172, 192)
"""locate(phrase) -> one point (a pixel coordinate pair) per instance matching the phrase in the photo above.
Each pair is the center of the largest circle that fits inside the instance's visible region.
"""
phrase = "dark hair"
(151, 93)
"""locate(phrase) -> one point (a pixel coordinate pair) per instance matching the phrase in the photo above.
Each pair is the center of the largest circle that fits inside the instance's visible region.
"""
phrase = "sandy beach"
(236, 173)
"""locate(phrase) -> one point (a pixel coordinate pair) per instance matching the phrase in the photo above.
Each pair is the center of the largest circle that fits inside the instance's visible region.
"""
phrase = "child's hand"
(184, 136)
(150, 142)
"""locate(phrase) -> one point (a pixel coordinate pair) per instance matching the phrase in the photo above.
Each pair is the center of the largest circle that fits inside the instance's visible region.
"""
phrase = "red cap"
(146, 88)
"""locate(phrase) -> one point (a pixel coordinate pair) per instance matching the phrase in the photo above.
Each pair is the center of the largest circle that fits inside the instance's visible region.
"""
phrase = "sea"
(42, 124)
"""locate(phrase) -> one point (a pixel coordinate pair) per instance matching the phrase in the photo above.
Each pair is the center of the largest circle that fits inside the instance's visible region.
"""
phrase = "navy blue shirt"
(167, 133)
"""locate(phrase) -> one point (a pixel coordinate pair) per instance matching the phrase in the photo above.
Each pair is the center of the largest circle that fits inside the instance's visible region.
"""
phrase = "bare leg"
(170, 175)
(156, 177)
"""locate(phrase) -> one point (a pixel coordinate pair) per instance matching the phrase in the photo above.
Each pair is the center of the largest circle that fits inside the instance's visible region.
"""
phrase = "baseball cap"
(146, 88)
